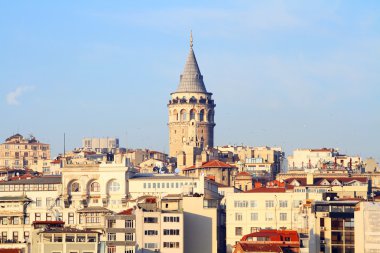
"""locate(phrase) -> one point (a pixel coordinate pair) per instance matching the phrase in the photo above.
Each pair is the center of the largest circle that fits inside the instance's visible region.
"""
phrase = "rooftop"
(35, 180)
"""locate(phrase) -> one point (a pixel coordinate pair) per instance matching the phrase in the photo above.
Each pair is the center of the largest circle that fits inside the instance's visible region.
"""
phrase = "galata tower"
(191, 111)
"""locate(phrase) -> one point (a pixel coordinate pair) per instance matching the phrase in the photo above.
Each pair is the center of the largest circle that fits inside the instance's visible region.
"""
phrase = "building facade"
(18, 152)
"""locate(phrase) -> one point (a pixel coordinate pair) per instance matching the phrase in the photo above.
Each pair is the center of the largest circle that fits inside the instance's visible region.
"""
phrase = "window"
(254, 216)
(81, 238)
(283, 203)
(253, 203)
(37, 216)
(91, 238)
(70, 238)
(111, 249)
(238, 216)
(171, 219)
(75, 187)
(171, 231)
(171, 244)
(70, 218)
(16, 220)
(129, 223)
(95, 187)
(150, 220)
(114, 186)
(129, 237)
(240, 203)
(48, 217)
(202, 115)
(269, 216)
(15, 236)
(283, 216)
(111, 237)
(150, 232)
(38, 202)
(150, 245)
(192, 114)
(144, 186)
(238, 230)
(269, 203)
(26, 236)
(49, 202)
(26, 219)
(90, 218)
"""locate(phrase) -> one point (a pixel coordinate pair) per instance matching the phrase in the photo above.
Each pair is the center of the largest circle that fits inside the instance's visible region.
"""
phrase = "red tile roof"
(243, 173)
(216, 164)
(126, 212)
(251, 247)
(10, 250)
(48, 222)
(274, 235)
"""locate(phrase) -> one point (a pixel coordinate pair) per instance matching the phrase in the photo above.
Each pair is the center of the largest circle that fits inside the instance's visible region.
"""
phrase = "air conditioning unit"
(323, 242)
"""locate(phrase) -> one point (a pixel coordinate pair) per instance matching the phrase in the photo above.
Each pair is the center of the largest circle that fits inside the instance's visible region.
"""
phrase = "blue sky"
(296, 74)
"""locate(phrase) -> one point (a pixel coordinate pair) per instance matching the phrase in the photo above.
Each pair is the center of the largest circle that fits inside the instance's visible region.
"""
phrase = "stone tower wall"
(195, 132)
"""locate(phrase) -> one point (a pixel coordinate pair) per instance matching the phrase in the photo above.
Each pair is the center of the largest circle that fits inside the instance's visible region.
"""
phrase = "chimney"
(198, 161)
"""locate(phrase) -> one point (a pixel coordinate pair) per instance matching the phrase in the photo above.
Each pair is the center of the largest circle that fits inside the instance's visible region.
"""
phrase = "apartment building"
(266, 208)
(25, 201)
(18, 152)
(321, 158)
(334, 229)
(60, 239)
(121, 232)
(100, 145)
(159, 230)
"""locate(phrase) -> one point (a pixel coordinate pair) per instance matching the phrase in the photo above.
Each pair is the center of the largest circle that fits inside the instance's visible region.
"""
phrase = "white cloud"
(12, 97)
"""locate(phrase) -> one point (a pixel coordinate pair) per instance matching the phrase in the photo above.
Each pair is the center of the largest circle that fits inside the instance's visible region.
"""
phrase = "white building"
(276, 208)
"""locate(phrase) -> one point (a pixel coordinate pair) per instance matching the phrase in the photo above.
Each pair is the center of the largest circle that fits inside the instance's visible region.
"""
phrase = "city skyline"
(284, 76)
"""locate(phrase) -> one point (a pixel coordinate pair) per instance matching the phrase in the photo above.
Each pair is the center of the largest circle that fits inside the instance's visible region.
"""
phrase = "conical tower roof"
(191, 79)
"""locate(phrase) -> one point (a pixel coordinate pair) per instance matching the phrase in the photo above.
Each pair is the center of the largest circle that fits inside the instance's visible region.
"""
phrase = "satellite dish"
(176, 171)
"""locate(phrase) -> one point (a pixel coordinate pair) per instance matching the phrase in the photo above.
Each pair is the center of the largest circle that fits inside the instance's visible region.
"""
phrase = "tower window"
(192, 114)
(202, 115)
(183, 115)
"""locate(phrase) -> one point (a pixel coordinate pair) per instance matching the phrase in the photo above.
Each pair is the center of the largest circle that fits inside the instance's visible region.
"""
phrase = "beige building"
(322, 158)
(220, 172)
(19, 152)
(60, 239)
(367, 227)
(23, 202)
(191, 115)
(100, 145)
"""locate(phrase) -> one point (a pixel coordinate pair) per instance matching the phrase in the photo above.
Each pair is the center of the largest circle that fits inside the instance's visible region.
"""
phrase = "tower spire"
(191, 39)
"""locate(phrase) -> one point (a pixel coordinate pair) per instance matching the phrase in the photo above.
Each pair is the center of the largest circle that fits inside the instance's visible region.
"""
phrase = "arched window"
(192, 114)
(114, 186)
(202, 115)
(183, 115)
(75, 187)
(95, 187)
(175, 115)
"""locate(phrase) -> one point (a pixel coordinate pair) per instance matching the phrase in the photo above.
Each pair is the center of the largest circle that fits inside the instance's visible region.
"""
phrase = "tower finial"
(191, 39)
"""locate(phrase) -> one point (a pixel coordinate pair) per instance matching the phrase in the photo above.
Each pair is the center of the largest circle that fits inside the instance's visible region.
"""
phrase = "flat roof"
(35, 180)
(150, 176)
